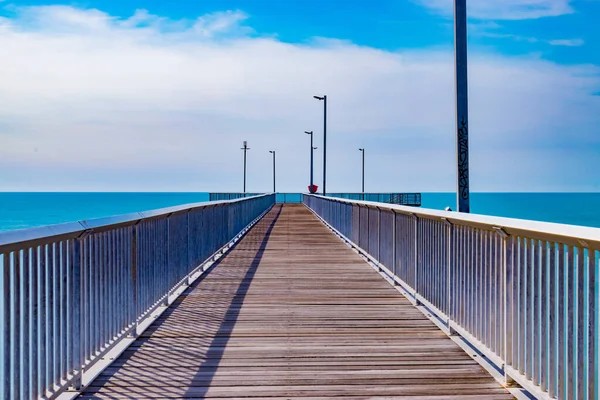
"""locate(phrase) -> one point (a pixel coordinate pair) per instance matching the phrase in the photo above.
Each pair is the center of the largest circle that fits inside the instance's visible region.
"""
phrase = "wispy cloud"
(504, 9)
(567, 42)
(90, 101)
(492, 29)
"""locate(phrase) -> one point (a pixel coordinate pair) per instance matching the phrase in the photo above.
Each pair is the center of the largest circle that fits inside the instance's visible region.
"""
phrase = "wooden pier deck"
(293, 313)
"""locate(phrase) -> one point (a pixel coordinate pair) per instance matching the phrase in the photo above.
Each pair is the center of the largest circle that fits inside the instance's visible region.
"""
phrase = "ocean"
(25, 210)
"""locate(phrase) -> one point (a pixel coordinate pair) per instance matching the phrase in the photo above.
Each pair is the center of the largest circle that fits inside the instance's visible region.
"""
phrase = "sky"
(131, 95)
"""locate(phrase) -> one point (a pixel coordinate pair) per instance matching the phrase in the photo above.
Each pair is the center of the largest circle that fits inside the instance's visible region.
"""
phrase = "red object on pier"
(313, 188)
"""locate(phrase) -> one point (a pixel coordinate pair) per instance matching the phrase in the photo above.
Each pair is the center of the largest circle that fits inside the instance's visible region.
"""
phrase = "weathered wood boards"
(293, 313)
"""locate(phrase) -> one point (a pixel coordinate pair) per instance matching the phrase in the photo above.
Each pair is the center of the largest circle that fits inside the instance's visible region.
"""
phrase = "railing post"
(190, 266)
(134, 282)
(451, 274)
(168, 260)
(379, 239)
(416, 261)
(394, 263)
(76, 331)
(5, 384)
(507, 299)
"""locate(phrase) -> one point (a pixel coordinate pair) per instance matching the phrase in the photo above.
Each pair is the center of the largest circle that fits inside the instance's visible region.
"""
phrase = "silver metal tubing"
(524, 293)
(71, 291)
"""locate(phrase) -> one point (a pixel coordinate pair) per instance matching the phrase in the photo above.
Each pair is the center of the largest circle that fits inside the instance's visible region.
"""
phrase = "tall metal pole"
(273, 152)
(363, 172)
(245, 148)
(311, 157)
(462, 105)
(324, 144)
(312, 165)
(324, 99)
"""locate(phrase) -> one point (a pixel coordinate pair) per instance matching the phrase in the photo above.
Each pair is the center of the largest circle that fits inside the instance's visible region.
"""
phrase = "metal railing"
(524, 293)
(71, 291)
(230, 196)
(404, 199)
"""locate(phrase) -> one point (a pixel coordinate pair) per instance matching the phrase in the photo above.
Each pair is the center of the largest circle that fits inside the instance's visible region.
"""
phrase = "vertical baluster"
(85, 299)
(592, 362)
(25, 323)
(508, 267)
(69, 308)
(77, 361)
(553, 318)
(6, 328)
(496, 310)
(33, 357)
(544, 291)
(51, 316)
(514, 299)
(63, 309)
(105, 289)
(480, 284)
(561, 317)
(471, 308)
(535, 318)
(492, 303)
(111, 285)
(463, 254)
(500, 254)
(522, 304)
(16, 323)
(42, 320)
(571, 299)
(580, 325)
(95, 325)
(134, 277)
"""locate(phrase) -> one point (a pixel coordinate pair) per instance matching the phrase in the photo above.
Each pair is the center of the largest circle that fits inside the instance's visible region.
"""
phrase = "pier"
(328, 298)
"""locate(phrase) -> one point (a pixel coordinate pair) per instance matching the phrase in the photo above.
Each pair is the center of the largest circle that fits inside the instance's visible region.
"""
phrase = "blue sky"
(155, 95)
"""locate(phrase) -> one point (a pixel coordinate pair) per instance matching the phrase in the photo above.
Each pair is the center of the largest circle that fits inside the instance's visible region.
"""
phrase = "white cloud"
(504, 9)
(567, 42)
(89, 101)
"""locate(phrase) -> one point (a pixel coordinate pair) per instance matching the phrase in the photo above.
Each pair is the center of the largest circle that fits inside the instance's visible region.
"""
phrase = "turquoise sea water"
(25, 210)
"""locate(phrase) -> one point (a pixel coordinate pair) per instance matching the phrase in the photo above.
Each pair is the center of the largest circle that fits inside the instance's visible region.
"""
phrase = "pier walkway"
(292, 312)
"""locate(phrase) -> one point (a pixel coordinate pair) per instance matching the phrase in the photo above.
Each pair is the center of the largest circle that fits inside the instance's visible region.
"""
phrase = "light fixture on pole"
(324, 99)
(273, 152)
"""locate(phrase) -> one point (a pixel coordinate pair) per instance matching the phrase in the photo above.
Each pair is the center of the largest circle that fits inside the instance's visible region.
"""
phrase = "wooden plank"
(292, 312)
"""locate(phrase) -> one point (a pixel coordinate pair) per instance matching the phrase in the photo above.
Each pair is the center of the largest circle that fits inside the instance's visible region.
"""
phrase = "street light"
(363, 172)
(245, 148)
(311, 159)
(324, 99)
(273, 152)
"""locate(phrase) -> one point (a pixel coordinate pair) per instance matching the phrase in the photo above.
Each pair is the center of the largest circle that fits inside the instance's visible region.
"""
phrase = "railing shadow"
(219, 342)
(216, 330)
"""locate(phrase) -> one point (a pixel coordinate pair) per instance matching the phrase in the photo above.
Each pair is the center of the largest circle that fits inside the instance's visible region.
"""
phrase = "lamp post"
(324, 99)
(462, 106)
(363, 172)
(311, 157)
(273, 152)
(245, 148)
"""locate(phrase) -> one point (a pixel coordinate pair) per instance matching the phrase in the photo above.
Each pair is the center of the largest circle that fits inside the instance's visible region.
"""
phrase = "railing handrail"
(18, 237)
(567, 234)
